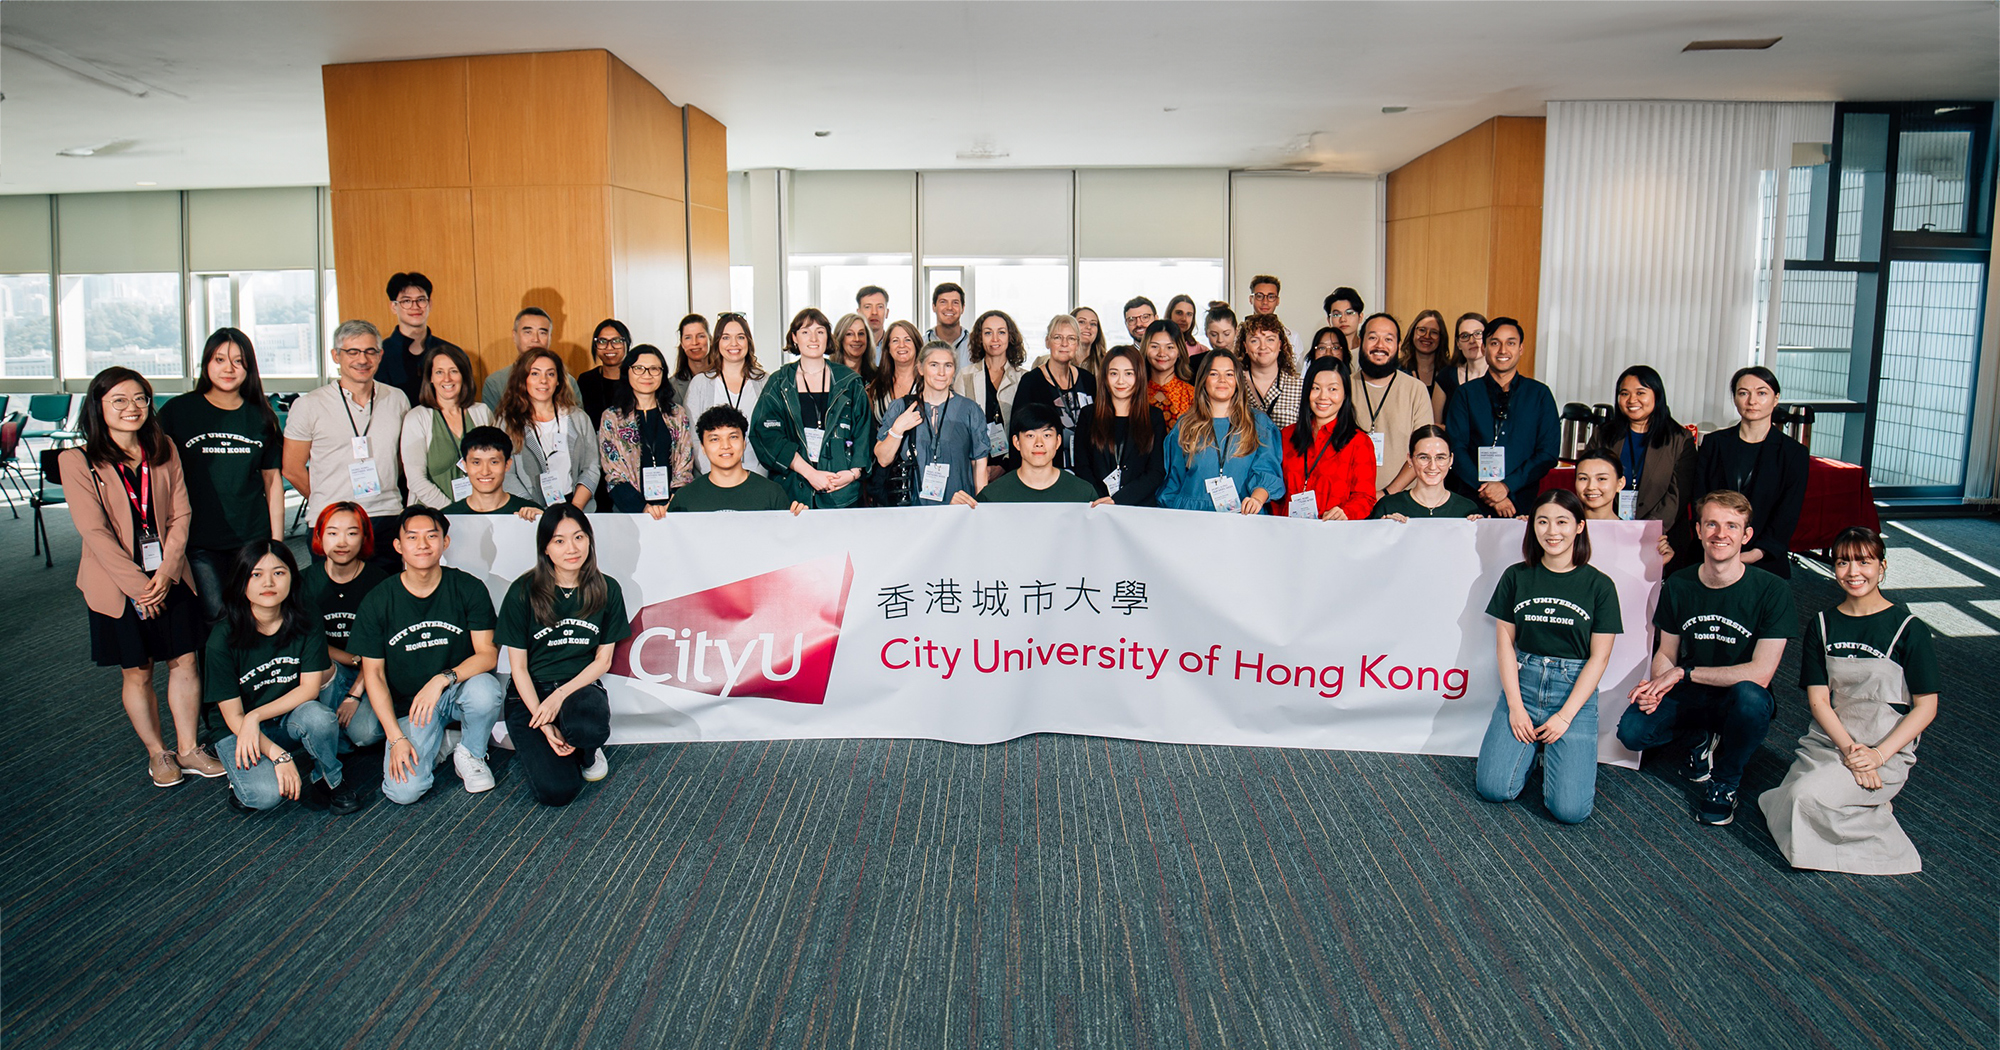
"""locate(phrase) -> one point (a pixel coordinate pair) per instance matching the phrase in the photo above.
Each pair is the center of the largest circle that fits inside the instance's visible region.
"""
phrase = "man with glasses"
(1140, 313)
(341, 440)
(532, 330)
(1264, 300)
(403, 352)
(1343, 311)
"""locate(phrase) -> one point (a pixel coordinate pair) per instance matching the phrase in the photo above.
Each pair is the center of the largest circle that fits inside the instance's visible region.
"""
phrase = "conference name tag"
(1628, 504)
(1303, 504)
(1222, 492)
(461, 488)
(552, 492)
(366, 481)
(935, 477)
(1112, 480)
(996, 440)
(654, 480)
(815, 437)
(1492, 463)
(1380, 440)
(151, 557)
(359, 445)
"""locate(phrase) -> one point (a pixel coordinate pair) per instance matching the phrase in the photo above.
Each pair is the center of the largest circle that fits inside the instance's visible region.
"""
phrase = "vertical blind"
(1650, 230)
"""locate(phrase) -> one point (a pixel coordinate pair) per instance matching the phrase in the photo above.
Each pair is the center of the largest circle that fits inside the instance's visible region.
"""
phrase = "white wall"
(1314, 233)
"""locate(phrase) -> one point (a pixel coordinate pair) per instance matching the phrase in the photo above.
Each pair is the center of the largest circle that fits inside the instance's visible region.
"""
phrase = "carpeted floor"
(1049, 892)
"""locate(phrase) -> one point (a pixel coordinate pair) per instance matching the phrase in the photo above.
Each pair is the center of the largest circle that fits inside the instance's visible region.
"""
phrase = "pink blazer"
(106, 573)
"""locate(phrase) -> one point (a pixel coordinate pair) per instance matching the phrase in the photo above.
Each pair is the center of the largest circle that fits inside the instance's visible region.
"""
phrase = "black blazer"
(1772, 474)
(1142, 472)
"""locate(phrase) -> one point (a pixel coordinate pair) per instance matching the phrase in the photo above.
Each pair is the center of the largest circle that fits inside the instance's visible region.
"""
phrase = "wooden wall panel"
(1410, 190)
(1457, 263)
(1520, 144)
(707, 160)
(545, 246)
(644, 136)
(1462, 176)
(1404, 249)
(539, 119)
(649, 265)
(1515, 287)
(422, 101)
(380, 232)
(708, 260)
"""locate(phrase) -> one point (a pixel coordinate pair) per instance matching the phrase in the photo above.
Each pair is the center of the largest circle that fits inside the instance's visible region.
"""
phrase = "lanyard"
(935, 430)
(743, 388)
(1756, 463)
(651, 422)
(1375, 407)
(141, 494)
(1219, 461)
(1312, 465)
(1269, 401)
(346, 408)
(1633, 455)
(1502, 399)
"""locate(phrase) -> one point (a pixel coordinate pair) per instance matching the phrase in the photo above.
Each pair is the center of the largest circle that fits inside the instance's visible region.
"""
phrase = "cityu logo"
(770, 636)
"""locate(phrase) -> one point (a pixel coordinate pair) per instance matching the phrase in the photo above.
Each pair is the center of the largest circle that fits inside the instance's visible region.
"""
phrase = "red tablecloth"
(1837, 496)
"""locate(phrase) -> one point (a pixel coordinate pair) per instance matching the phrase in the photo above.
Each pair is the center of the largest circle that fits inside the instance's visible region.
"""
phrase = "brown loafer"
(200, 763)
(165, 770)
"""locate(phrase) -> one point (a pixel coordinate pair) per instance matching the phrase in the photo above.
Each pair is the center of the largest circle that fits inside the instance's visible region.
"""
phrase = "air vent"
(1733, 45)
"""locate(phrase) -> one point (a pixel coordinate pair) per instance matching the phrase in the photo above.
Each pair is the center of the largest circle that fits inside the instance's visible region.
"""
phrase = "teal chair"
(49, 493)
(48, 417)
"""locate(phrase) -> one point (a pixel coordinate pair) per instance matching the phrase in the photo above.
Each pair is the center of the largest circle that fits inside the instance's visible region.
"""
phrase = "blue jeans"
(312, 726)
(364, 728)
(1569, 766)
(474, 704)
(1741, 713)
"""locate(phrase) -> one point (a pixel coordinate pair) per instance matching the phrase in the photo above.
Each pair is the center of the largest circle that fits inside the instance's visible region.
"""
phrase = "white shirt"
(706, 391)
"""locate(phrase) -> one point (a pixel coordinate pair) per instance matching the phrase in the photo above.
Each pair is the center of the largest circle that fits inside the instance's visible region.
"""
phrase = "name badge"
(815, 437)
(366, 481)
(1380, 440)
(935, 477)
(1222, 493)
(461, 488)
(1112, 480)
(1628, 504)
(654, 480)
(1303, 505)
(1492, 463)
(360, 446)
(552, 488)
(996, 440)
(150, 554)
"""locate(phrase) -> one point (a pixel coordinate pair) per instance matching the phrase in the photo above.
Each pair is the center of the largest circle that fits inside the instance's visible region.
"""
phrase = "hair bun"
(1217, 304)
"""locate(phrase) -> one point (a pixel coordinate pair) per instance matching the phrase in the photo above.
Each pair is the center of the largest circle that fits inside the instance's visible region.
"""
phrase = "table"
(1837, 496)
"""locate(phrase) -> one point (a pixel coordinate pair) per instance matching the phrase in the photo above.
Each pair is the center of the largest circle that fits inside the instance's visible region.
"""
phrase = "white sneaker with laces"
(471, 770)
(599, 767)
(449, 747)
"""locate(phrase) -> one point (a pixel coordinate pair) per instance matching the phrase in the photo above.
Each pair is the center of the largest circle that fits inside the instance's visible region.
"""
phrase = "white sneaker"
(449, 747)
(471, 770)
(599, 767)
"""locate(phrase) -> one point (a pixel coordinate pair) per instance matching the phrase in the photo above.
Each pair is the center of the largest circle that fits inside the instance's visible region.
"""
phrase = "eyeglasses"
(610, 342)
(419, 301)
(365, 351)
(1470, 337)
(1343, 313)
(1264, 297)
(121, 402)
(649, 371)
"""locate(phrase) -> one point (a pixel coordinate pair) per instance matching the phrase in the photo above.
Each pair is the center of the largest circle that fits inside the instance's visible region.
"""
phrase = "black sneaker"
(314, 795)
(1700, 763)
(346, 798)
(1718, 806)
(235, 804)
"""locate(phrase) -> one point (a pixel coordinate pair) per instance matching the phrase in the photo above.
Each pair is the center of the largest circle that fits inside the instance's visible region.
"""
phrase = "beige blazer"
(106, 573)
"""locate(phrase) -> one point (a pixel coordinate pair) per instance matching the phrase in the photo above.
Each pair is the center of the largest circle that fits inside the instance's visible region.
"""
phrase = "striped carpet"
(1049, 892)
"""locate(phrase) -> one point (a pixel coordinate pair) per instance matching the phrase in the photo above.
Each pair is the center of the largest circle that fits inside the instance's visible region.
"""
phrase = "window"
(1104, 285)
(1029, 290)
(743, 290)
(1930, 349)
(831, 281)
(129, 319)
(27, 343)
(273, 307)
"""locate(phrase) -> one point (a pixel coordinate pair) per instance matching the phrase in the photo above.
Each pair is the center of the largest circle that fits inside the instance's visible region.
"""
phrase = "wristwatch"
(284, 759)
(451, 677)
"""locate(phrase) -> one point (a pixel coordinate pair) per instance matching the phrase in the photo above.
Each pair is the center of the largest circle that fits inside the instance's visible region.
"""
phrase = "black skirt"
(129, 642)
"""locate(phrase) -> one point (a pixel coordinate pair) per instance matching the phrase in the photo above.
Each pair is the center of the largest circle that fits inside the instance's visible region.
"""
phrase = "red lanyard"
(142, 495)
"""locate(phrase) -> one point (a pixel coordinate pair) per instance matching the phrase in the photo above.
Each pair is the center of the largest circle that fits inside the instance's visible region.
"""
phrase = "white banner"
(978, 625)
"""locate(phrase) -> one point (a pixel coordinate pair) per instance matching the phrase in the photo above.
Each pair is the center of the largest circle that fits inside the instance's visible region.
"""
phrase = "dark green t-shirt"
(336, 603)
(1555, 613)
(560, 653)
(1009, 488)
(1455, 506)
(514, 503)
(1870, 637)
(756, 492)
(266, 670)
(1720, 626)
(420, 638)
(224, 455)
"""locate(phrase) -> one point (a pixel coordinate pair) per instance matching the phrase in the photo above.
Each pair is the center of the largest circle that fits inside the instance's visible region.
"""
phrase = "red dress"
(1343, 478)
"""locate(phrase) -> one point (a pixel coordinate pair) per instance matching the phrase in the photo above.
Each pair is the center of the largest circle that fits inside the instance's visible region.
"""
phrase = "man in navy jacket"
(1503, 427)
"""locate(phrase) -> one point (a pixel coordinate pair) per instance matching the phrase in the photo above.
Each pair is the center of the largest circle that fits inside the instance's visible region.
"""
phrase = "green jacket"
(777, 434)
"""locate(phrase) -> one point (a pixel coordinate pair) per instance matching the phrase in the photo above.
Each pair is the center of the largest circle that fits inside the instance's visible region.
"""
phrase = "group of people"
(375, 642)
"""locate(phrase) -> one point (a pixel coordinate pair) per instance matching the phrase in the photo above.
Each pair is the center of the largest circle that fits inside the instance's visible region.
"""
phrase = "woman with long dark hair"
(647, 440)
(1121, 449)
(812, 425)
(266, 665)
(1558, 618)
(993, 381)
(1657, 459)
(1329, 466)
(1168, 371)
(736, 380)
(555, 447)
(230, 452)
(695, 354)
(560, 621)
(130, 507)
(1223, 454)
(1763, 463)
(851, 346)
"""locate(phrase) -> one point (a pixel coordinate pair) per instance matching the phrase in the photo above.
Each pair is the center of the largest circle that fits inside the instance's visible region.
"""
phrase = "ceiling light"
(1757, 44)
(90, 70)
(1395, 109)
(1942, 110)
(148, 183)
(82, 151)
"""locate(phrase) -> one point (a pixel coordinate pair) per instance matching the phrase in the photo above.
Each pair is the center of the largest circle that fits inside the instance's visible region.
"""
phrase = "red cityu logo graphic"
(771, 636)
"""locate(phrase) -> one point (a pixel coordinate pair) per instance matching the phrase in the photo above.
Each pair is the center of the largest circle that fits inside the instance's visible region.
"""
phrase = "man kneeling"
(425, 639)
(1036, 431)
(1722, 632)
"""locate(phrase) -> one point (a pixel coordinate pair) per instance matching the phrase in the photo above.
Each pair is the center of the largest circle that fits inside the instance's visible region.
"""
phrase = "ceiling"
(233, 89)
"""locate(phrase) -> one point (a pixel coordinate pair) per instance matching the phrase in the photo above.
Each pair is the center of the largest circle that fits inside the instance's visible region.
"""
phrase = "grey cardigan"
(524, 475)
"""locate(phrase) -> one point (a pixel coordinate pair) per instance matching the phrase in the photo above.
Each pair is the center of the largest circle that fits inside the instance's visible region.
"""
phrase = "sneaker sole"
(210, 776)
(470, 790)
(1724, 822)
(166, 784)
(588, 779)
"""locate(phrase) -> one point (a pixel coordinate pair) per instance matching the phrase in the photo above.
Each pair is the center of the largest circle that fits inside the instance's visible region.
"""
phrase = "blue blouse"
(959, 437)
(1186, 487)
